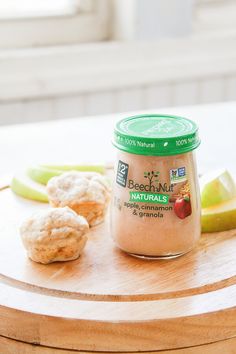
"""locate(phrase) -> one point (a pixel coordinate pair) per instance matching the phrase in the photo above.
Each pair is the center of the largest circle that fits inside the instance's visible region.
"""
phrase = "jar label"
(145, 197)
(151, 195)
(122, 173)
(178, 175)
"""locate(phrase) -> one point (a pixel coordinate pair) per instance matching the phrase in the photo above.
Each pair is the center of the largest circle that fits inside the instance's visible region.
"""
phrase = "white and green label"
(178, 175)
(142, 197)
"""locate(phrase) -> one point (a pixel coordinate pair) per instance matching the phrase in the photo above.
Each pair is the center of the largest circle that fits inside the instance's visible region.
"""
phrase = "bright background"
(71, 58)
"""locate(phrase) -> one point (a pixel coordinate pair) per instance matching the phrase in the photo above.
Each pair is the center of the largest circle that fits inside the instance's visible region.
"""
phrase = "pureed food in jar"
(156, 203)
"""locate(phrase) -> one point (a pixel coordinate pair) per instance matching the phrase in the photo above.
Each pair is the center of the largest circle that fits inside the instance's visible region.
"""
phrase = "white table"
(66, 140)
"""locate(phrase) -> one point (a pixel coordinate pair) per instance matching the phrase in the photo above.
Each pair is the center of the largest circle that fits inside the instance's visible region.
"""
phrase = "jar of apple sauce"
(156, 203)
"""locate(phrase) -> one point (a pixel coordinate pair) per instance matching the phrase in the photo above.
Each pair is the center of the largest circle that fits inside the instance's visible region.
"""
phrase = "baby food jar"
(156, 204)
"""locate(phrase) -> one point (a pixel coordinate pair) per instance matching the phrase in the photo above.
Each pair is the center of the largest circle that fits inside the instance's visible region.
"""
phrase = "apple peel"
(23, 186)
(85, 168)
(220, 217)
(216, 187)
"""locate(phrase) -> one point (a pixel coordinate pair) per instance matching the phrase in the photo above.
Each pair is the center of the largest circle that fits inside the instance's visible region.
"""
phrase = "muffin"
(54, 235)
(87, 193)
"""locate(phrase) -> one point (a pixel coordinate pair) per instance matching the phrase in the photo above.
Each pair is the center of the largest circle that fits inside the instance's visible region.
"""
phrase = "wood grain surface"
(9, 346)
(109, 301)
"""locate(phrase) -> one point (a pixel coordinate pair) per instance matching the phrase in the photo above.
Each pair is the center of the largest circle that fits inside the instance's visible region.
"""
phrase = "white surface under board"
(64, 141)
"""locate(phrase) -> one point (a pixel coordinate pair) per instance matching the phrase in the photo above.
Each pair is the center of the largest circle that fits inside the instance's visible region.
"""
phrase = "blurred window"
(26, 23)
(31, 23)
(214, 15)
(12, 9)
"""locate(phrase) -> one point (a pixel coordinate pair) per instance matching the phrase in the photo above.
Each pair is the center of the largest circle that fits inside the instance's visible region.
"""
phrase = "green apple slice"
(86, 168)
(216, 188)
(219, 217)
(22, 185)
(42, 174)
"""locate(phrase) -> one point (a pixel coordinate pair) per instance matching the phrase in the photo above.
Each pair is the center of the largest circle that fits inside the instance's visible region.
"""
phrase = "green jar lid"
(156, 135)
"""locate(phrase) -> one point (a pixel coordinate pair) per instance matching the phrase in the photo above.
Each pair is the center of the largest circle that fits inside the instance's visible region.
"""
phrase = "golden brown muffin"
(54, 235)
(87, 193)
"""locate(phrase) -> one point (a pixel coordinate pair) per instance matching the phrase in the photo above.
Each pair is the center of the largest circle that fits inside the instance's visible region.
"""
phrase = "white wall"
(107, 77)
(115, 77)
(211, 89)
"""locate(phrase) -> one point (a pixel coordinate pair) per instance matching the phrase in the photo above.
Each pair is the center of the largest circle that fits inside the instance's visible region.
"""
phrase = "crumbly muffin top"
(77, 186)
(53, 225)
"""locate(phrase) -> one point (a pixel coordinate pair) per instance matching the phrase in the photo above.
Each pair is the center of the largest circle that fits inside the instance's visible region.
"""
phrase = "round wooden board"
(10, 346)
(109, 301)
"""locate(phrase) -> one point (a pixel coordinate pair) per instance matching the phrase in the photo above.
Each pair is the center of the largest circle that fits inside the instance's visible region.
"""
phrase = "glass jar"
(156, 204)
